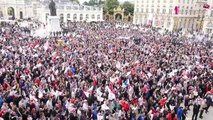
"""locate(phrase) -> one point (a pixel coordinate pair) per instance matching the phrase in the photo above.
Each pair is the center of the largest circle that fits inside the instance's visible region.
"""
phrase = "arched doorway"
(21, 15)
(11, 13)
(68, 18)
(129, 19)
(210, 24)
(75, 17)
(62, 17)
(118, 17)
(81, 17)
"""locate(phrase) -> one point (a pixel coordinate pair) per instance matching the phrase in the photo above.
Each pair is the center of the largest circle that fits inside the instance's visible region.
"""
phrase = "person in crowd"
(180, 113)
(196, 109)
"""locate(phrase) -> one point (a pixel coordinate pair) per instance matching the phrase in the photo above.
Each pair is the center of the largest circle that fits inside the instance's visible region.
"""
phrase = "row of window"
(171, 1)
(75, 8)
(154, 5)
(156, 23)
(183, 23)
(153, 11)
(158, 1)
(81, 16)
(187, 1)
(170, 6)
(169, 11)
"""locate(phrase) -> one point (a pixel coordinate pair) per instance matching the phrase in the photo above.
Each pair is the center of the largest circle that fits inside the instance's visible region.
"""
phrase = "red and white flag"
(206, 6)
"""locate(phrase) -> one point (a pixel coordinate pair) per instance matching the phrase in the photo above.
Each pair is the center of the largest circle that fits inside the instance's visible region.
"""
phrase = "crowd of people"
(100, 72)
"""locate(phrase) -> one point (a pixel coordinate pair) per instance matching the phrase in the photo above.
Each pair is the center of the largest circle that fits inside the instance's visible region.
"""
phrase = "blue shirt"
(140, 117)
(179, 113)
(1, 102)
(95, 115)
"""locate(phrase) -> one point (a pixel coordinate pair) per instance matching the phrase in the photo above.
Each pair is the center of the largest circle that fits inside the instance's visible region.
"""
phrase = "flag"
(111, 95)
(206, 6)
(46, 45)
(176, 10)
(86, 94)
(125, 84)
(73, 70)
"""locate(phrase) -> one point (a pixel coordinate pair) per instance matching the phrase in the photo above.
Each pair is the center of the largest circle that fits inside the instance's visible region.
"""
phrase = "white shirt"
(100, 116)
(49, 104)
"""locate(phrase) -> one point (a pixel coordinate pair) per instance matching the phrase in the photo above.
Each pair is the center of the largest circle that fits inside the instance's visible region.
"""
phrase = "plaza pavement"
(208, 116)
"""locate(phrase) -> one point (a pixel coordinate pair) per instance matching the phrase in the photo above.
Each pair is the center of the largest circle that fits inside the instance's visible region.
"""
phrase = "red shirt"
(169, 116)
(37, 82)
(70, 73)
(95, 82)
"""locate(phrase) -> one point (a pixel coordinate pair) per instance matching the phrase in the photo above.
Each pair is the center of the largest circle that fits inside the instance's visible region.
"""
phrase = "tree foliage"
(110, 5)
(129, 8)
(94, 3)
(77, 1)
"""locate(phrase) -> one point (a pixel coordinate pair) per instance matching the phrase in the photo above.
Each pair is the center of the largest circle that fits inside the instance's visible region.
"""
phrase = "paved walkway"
(208, 116)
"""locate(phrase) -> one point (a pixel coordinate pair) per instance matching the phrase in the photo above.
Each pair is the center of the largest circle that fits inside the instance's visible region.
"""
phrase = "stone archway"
(118, 17)
(107, 17)
(119, 14)
(11, 12)
(210, 24)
